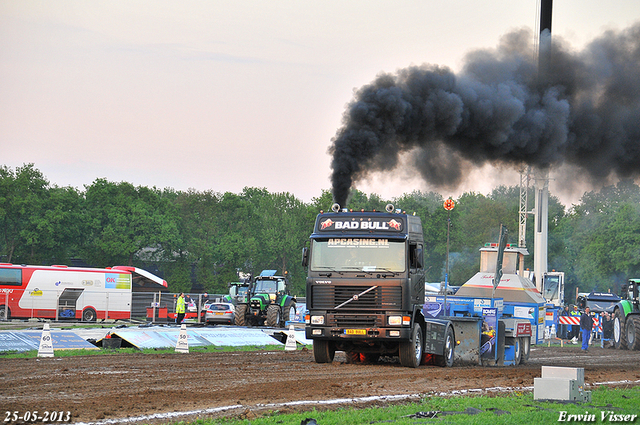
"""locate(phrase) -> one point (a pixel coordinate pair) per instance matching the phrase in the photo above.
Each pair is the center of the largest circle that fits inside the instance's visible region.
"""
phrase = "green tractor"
(626, 319)
(269, 302)
(238, 293)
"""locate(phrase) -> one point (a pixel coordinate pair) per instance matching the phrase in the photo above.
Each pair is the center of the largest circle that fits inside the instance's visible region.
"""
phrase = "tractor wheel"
(273, 316)
(323, 351)
(517, 358)
(446, 360)
(633, 333)
(241, 311)
(288, 314)
(371, 358)
(526, 349)
(410, 352)
(353, 357)
(619, 337)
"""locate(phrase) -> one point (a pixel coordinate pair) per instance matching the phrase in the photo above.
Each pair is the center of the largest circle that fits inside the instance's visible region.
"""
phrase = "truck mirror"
(305, 256)
(419, 258)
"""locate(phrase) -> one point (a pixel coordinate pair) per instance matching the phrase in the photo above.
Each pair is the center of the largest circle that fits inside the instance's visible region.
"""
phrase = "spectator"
(574, 329)
(606, 322)
(586, 325)
(181, 309)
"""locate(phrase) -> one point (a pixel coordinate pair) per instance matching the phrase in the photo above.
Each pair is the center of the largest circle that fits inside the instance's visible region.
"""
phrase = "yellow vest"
(180, 308)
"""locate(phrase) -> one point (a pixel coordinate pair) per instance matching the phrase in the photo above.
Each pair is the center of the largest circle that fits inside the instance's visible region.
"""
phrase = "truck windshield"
(358, 254)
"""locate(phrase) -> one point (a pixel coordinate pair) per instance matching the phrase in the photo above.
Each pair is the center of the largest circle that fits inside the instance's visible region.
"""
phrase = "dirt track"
(95, 388)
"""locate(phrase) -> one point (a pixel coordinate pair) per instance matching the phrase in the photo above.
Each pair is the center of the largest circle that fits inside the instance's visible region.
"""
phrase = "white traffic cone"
(182, 346)
(291, 340)
(46, 343)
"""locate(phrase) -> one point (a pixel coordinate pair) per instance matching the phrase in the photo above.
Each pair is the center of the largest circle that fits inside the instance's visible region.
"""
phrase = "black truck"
(365, 290)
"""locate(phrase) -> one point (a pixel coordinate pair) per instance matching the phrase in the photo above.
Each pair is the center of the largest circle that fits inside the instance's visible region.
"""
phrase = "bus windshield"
(358, 254)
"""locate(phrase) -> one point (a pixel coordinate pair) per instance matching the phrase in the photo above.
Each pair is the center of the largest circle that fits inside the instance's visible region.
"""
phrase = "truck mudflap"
(468, 332)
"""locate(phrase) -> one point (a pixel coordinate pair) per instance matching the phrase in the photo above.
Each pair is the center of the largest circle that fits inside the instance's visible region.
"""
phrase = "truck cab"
(365, 287)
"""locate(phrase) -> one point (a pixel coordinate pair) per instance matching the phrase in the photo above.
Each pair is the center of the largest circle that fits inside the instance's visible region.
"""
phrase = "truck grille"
(358, 321)
(380, 298)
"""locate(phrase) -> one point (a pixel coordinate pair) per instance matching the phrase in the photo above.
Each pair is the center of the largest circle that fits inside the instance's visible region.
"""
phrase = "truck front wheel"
(323, 351)
(410, 352)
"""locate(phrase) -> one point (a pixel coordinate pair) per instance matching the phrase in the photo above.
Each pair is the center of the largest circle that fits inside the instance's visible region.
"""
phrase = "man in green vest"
(180, 308)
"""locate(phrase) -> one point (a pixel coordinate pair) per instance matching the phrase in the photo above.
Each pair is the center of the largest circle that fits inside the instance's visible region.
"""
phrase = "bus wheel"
(4, 310)
(89, 315)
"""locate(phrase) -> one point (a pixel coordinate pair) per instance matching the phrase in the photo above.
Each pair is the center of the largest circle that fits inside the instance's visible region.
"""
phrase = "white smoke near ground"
(498, 110)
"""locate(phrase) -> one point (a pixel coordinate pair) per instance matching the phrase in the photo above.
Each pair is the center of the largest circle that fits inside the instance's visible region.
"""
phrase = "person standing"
(180, 308)
(607, 329)
(574, 329)
(586, 324)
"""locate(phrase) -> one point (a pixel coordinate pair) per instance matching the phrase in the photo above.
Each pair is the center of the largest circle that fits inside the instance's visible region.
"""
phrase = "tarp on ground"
(165, 337)
(30, 340)
(151, 337)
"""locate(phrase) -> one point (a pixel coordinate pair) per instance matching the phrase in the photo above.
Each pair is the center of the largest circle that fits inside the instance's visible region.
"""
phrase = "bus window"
(10, 277)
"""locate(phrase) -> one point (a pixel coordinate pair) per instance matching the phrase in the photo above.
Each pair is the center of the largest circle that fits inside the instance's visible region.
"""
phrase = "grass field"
(607, 406)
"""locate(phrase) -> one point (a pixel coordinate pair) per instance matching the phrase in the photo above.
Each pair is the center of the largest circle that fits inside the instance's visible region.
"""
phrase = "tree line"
(209, 238)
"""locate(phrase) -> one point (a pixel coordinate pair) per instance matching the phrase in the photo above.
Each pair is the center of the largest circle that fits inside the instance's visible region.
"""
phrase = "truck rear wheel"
(323, 351)
(619, 340)
(633, 333)
(273, 316)
(410, 352)
(241, 311)
(446, 359)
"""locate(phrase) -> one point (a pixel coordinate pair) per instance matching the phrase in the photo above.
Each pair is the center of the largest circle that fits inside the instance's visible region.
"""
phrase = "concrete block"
(559, 389)
(575, 373)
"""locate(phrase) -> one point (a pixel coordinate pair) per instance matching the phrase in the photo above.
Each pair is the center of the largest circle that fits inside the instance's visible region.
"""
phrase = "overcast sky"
(219, 95)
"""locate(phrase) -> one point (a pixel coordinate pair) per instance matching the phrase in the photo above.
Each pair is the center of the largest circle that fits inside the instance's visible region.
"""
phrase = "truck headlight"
(317, 320)
(394, 320)
(399, 320)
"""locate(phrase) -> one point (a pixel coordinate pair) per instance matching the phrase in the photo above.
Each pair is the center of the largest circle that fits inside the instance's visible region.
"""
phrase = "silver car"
(219, 313)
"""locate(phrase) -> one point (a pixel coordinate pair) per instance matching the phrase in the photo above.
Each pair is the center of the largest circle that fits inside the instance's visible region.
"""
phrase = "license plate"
(219, 314)
(355, 331)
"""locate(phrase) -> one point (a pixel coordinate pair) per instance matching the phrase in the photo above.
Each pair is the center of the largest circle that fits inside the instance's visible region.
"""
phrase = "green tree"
(24, 200)
(122, 220)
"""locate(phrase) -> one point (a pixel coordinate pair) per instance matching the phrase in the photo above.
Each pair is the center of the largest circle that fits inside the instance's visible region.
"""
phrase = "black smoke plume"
(499, 110)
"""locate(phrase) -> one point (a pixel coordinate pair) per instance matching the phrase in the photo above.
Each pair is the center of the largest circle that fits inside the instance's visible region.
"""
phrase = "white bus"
(62, 292)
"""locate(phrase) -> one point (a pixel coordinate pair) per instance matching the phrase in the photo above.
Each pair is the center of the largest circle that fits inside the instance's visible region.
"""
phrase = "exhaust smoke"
(584, 112)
